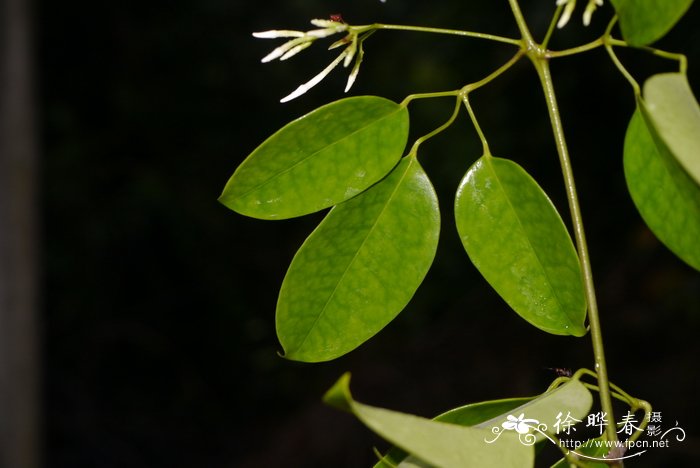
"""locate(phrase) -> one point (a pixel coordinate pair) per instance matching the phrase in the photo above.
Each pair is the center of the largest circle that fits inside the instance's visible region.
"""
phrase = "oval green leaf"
(320, 160)
(360, 267)
(570, 398)
(665, 195)
(468, 415)
(645, 21)
(436, 443)
(671, 106)
(517, 240)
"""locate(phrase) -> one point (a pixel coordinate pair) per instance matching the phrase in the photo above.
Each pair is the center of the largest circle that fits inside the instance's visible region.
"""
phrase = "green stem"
(552, 25)
(543, 71)
(522, 24)
(454, 32)
(419, 141)
(576, 50)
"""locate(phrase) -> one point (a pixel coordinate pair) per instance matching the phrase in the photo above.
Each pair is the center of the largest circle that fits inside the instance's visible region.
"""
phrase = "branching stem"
(454, 32)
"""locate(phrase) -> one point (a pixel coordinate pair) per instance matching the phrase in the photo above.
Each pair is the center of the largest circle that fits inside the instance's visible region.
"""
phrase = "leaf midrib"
(314, 153)
(352, 261)
(532, 249)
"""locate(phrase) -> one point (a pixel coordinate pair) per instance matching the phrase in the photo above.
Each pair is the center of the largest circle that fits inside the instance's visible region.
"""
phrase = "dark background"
(159, 346)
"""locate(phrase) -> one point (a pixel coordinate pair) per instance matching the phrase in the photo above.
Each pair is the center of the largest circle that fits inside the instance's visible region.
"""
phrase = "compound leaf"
(319, 160)
(665, 195)
(360, 267)
(675, 115)
(645, 21)
(516, 239)
(436, 443)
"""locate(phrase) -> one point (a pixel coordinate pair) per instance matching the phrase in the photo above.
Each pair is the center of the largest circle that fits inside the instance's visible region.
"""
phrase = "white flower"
(569, 9)
(566, 15)
(590, 8)
(301, 40)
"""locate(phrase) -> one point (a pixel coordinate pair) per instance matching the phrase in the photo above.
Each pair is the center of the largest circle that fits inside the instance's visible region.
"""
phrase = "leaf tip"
(339, 394)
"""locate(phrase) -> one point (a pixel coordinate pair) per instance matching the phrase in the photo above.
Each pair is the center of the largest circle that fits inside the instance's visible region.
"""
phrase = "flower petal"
(315, 80)
(273, 34)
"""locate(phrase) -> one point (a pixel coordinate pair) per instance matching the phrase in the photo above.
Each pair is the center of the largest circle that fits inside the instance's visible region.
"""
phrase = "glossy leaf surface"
(468, 415)
(436, 443)
(360, 267)
(319, 160)
(516, 239)
(665, 195)
(645, 21)
(675, 114)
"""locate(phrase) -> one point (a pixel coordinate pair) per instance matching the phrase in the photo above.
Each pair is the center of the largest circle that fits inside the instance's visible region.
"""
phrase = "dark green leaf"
(516, 239)
(666, 197)
(437, 443)
(360, 267)
(319, 160)
(645, 21)
(675, 114)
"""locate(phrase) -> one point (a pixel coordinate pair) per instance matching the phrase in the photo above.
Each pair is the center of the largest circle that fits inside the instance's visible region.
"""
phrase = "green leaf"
(645, 21)
(570, 398)
(468, 415)
(437, 443)
(360, 267)
(320, 160)
(671, 106)
(516, 239)
(590, 449)
(665, 195)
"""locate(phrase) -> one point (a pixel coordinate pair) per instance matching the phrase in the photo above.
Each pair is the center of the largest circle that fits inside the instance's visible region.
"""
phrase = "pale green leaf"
(666, 197)
(320, 159)
(468, 415)
(671, 106)
(517, 240)
(436, 443)
(645, 21)
(570, 398)
(360, 267)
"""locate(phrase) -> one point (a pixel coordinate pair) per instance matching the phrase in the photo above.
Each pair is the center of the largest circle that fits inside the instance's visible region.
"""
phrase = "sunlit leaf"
(360, 267)
(468, 415)
(517, 240)
(665, 195)
(645, 21)
(436, 443)
(319, 160)
(675, 114)
(570, 398)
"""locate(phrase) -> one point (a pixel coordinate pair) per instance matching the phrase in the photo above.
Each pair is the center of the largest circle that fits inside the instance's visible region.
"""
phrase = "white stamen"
(315, 80)
(295, 50)
(281, 50)
(324, 23)
(350, 53)
(273, 34)
(566, 15)
(355, 69)
(325, 32)
(590, 8)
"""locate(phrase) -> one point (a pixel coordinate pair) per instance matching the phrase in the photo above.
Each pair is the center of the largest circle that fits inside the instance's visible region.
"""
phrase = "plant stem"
(542, 67)
(539, 58)
(454, 32)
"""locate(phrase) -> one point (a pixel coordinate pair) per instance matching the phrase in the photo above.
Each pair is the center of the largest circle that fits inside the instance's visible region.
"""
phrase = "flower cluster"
(300, 40)
(569, 9)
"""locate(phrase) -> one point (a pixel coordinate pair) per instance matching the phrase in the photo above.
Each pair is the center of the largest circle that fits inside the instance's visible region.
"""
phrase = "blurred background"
(137, 314)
